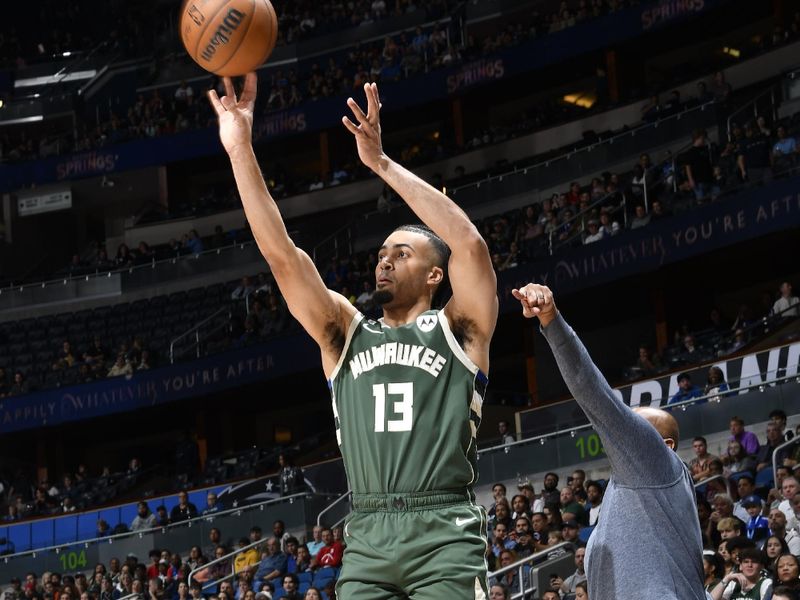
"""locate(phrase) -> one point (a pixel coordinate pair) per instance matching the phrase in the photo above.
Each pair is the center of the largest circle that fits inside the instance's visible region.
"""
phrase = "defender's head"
(412, 263)
(664, 423)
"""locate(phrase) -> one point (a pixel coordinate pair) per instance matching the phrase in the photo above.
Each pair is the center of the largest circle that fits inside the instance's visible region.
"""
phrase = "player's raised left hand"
(368, 130)
(235, 114)
(537, 301)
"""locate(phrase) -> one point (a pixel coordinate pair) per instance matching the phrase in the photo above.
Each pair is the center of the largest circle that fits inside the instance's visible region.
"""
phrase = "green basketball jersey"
(407, 405)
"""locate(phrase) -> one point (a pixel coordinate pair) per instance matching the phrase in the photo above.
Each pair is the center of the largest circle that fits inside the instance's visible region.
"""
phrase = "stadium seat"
(305, 577)
(324, 576)
(765, 478)
(585, 533)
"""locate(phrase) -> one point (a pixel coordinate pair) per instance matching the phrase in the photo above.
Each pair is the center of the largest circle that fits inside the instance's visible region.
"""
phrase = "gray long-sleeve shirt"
(647, 543)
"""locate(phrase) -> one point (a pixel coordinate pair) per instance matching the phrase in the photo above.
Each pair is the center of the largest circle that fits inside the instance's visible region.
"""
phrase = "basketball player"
(647, 542)
(406, 389)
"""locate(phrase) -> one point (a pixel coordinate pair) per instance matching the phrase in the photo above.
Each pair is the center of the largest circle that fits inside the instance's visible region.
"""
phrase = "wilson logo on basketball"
(221, 36)
(196, 16)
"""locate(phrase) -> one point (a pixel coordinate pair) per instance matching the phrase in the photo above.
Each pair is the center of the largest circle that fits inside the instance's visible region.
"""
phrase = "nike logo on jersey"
(372, 330)
(461, 522)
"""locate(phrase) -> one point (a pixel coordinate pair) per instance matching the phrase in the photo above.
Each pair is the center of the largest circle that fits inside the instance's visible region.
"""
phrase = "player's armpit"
(474, 302)
(324, 314)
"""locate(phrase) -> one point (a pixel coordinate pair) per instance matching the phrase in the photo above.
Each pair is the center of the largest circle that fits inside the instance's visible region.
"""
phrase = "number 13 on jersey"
(402, 406)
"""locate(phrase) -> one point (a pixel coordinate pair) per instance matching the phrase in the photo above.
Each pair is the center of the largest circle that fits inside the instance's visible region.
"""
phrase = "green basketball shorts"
(427, 546)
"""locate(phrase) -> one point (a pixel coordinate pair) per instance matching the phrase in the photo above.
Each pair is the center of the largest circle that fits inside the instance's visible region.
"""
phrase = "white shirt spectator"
(785, 304)
(594, 237)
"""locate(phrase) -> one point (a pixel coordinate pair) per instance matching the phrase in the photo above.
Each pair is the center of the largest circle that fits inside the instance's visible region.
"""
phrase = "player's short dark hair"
(440, 248)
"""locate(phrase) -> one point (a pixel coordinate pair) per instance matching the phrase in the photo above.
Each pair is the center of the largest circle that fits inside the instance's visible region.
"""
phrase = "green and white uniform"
(407, 404)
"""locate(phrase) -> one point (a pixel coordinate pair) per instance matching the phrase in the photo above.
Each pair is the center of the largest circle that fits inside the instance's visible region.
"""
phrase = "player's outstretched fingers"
(215, 103)
(229, 91)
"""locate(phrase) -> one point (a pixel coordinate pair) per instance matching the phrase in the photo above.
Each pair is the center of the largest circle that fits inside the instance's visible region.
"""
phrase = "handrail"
(753, 103)
(718, 476)
(711, 397)
(331, 505)
(162, 528)
(194, 329)
(791, 442)
(523, 589)
(118, 271)
(588, 148)
(223, 558)
(586, 211)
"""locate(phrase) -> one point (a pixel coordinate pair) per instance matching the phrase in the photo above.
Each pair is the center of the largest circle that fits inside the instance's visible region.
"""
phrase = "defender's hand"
(235, 115)
(368, 130)
(537, 301)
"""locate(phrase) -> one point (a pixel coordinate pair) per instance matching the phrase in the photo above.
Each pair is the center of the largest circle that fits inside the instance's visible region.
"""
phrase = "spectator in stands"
(784, 152)
(213, 505)
(594, 492)
(774, 439)
(244, 289)
(777, 527)
(570, 529)
(272, 565)
(313, 593)
(498, 592)
(778, 417)
(787, 304)
(290, 476)
(593, 232)
(183, 510)
(715, 384)
(162, 517)
(316, 544)
(510, 579)
(498, 495)
(330, 555)
(754, 155)
(570, 508)
(290, 587)
(577, 480)
(551, 594)
(723, 509)
(501, 540)
(19, 386)
(641, 218)
(144, 519)
(737, 460)
(121, 367)
(747, 439)
(730, 527)
(735, 585)
(124, 258)
(787, 572)
(194, 242)
(713, 569)
(550, 493)
(698, 168)
(523, 537)
(647, 364)
(571, 583)
(686, 390)
(757, 526)
(774, 547)
(503, 430)
(700, 465)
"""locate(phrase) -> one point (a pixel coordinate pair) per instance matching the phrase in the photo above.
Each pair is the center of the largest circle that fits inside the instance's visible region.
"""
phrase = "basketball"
(228, 37)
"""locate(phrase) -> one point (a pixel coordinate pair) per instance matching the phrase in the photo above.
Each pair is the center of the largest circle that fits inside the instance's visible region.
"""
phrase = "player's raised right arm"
(321, 312)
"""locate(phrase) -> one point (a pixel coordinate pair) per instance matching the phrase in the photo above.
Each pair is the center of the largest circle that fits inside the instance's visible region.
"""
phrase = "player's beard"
(381, 297)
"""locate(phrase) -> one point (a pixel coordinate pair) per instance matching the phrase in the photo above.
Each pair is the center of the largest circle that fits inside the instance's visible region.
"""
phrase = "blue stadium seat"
(584, 533)
(324, 576)
(303, 588)
(765, 478)
(306, 577)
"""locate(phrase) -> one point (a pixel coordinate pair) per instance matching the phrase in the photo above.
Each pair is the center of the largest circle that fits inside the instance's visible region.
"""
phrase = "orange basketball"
(228, 37)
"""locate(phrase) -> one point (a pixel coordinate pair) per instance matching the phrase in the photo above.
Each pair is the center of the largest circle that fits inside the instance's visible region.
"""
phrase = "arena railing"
(110, 539)
(726, 481)
(196, 329)
(519, 566)
(327, 509)
(579, 444)
(792, 442)
(227, 557)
